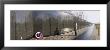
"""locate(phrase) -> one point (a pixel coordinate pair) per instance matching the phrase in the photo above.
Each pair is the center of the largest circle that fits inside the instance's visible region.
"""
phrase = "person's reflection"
(56, 32)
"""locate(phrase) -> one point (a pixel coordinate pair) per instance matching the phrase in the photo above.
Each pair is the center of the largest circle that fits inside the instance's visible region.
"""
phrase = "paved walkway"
(89, 34)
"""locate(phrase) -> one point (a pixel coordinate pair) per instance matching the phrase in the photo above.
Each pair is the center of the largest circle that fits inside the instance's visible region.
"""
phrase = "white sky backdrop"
(92, 16)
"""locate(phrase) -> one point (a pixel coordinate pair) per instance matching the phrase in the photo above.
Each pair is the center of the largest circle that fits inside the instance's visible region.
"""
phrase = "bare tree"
(74, 22)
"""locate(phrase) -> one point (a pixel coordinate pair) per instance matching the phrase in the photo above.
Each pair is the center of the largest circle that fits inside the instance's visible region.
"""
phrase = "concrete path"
(89, 34)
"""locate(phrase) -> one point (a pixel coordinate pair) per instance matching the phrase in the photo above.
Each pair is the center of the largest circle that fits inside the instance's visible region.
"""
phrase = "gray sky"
(92, 16)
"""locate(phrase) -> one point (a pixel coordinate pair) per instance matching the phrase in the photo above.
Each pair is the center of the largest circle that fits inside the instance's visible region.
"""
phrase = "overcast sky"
(91, 16)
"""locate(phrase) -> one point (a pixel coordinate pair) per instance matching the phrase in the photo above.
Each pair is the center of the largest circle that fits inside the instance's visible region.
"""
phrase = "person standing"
(56, 31)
